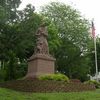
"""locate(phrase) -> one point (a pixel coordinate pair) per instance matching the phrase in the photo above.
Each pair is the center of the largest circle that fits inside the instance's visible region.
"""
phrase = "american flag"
(93, 30)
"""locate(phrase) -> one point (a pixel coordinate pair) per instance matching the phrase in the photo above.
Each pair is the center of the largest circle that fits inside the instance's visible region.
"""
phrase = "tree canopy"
(8, 10)
(74, 36)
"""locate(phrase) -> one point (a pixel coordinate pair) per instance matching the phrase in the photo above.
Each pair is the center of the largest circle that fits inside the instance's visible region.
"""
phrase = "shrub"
(97, 84)
(2, 75)
(56, 77)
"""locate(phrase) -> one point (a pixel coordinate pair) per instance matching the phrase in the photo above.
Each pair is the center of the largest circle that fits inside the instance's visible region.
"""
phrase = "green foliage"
(21, 69)
(8, 10)
(71, 53)
(91, 55)
(97, 84)
(2, 75)
(55, 77)
(69, 22)
(53, 38)
(17, 41)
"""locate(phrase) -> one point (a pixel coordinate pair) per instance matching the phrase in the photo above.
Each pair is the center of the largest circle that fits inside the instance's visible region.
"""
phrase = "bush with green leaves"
(2, 75)
(56, 77)
(97, 84)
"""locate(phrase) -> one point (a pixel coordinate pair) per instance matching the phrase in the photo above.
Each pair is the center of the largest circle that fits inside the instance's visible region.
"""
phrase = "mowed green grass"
(6, 94)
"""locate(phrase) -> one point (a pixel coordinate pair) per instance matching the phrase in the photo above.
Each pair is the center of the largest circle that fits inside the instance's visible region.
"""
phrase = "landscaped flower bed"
(34, 85)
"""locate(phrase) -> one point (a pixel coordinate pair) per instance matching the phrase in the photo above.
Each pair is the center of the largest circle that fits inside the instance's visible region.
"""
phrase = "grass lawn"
(6, 94)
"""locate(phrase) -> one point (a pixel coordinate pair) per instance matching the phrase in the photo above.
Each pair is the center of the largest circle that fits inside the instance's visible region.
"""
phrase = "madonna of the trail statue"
(41, 62)
(42, 44)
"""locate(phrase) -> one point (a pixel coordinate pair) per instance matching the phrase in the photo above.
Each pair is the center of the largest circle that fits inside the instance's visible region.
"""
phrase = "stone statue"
(41, 62)
(41, 43)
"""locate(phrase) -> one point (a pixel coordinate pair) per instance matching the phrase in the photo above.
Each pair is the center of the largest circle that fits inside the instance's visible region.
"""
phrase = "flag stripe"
(93, 30)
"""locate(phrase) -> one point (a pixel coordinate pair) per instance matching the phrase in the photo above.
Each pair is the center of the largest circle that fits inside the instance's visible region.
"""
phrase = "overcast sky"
(88, 8)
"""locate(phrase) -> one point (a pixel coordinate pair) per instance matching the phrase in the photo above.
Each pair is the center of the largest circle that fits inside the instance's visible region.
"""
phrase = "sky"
(88, 8)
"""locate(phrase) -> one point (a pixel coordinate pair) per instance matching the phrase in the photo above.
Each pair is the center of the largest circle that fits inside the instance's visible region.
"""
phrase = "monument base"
(40, 64)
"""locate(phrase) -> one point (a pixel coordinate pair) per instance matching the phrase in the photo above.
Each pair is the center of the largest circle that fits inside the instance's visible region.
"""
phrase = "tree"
(18, 40)
(73, 34)
(8, 15)
(8, 10)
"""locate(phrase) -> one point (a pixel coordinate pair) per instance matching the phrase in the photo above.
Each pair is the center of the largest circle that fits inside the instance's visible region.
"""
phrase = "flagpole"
(96, 65)
(94, 38)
